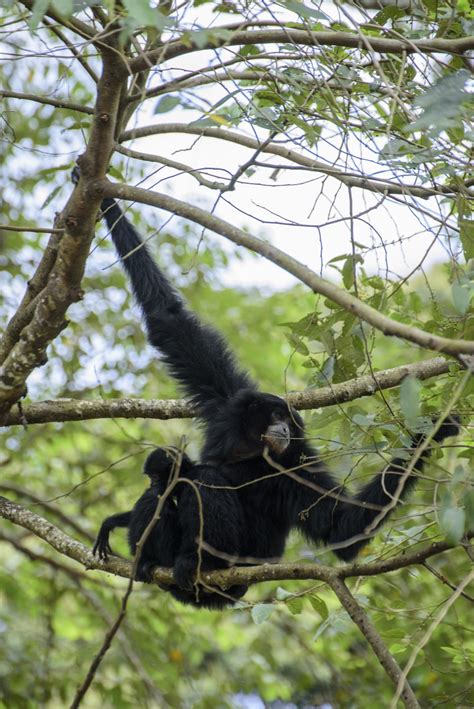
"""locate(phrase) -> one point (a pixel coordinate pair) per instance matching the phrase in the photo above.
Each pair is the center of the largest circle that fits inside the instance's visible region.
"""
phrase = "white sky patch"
(304, 213)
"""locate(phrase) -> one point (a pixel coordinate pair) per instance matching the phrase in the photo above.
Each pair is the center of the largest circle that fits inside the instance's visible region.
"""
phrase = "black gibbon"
(258, 477)
(189, 513)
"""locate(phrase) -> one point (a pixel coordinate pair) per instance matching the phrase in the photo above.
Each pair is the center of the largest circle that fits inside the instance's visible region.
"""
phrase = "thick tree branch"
(368, 384)
(320, 572)
(61, 410)
(334, 577)
(77, 551)
(41, 317)
(61, 542)
(305, 38)
(367, 183)
(319, 285)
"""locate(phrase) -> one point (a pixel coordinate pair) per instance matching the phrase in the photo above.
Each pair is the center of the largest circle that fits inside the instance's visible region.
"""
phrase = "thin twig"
(427, 635)
(85, 685)
(386, 659)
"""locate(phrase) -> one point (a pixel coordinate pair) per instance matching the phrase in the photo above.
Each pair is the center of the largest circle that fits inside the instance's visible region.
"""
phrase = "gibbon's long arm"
(339, 522)
(196, 354)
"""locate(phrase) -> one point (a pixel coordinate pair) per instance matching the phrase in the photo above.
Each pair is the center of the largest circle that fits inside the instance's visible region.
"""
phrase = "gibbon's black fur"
(167, 545)
(249, 505)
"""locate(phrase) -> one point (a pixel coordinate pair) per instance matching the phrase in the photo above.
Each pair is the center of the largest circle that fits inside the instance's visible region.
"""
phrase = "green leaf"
(142, 14)
(442, 103)
(397, 648)
(207, 38)
(319, 606)
(167, 103)
(341, 257)
(466, 234)
(364, 420)
(39, 10)
(208, 122)
(468, 500)
(262, 612)
(116, 173)
(388, 13)
(327, 371)
(224, 100)
(461, 297)
(456, 134)
(297, 343)
(304, 10)
(65, 7)
(410, 400)
(51, 196)
(348, 270)
(200, 38)
(452, 522)
(295, 606)
(248, 50)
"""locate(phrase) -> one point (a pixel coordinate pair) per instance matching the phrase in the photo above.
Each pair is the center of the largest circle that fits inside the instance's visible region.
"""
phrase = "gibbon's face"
(268, 421)
(244, 426)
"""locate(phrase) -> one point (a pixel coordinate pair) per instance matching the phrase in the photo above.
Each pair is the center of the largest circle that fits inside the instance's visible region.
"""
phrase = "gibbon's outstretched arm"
(339, 521)
(197, 356)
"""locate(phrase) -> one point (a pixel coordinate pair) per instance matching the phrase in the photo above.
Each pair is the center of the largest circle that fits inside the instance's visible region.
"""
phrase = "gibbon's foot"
(184, 572)
(102, 548)
(144, 571)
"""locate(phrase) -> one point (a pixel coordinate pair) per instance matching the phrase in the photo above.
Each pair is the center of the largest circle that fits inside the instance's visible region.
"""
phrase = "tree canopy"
(303, 173)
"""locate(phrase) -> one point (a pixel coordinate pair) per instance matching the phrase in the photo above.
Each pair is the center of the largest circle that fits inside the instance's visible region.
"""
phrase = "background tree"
(334, 134)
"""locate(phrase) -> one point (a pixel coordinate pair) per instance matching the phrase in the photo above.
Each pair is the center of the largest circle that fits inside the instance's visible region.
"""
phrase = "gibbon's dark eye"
(252, 407)
(280, 416)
